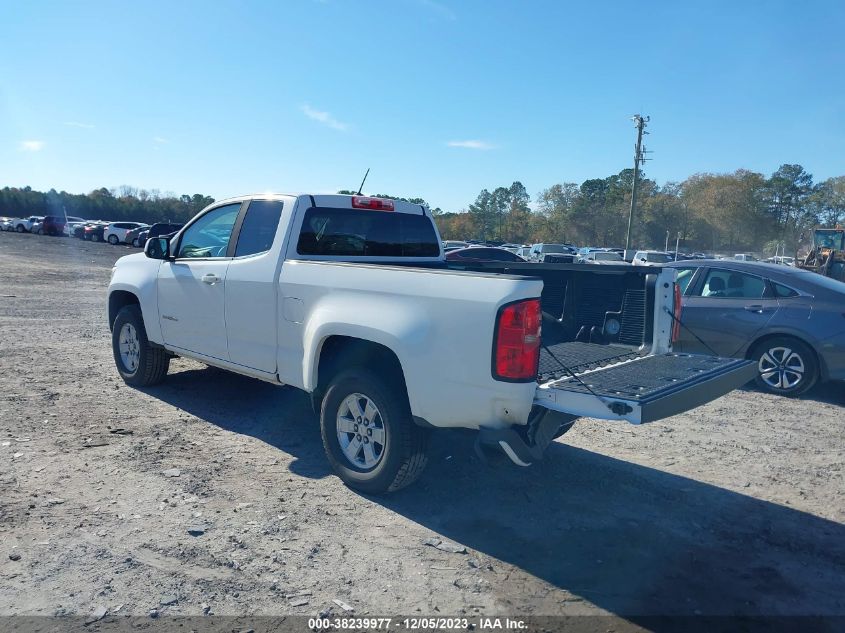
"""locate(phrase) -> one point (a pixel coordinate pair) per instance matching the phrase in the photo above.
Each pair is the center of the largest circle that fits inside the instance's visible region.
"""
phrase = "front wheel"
(786, 366)
(139, 363)
(40, 231)
(368, 434)
(135, 243)
(113, 240)
(20, 228)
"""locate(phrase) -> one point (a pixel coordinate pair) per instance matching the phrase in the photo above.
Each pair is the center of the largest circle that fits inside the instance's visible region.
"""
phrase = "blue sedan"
(791, 321)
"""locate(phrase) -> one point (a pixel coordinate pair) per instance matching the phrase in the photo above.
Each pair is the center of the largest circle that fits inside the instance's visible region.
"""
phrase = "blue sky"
(440, 99)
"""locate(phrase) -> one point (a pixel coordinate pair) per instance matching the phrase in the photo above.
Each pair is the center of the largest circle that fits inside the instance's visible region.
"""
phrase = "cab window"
(209, 236)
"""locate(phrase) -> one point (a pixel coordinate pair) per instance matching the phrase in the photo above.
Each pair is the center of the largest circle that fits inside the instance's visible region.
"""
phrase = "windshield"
(607, 257)
(555, 248)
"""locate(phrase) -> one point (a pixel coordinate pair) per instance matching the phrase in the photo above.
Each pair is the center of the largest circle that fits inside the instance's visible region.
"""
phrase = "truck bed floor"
(579, 357)
(650, 376)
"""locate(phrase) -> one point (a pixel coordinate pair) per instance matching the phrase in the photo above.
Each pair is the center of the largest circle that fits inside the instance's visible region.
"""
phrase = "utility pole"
(640, 122)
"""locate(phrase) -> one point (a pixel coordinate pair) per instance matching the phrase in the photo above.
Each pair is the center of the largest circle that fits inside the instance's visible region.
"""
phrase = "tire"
(402, 457)
(141, 365)
(40, 231)
(96, 238)
(787, 366)
(20, 228)
(113, 240)
(135, 243)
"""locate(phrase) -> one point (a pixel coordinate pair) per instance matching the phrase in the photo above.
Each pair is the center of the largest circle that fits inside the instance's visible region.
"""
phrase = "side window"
(782, 291)
(259, 227)
(209, 236)
(731, 284)
(685, 276)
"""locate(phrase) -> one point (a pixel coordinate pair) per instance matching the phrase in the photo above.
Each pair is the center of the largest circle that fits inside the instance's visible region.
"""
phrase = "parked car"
(35, 227)
(745, 257)
(449, 245)
(53, 225)
(482, 254)
(789, 321)
(156, 230)
(24, 225)
(524, 252)
(358, 307)
(94, 232)
(651, 258)
(71, 225)
(602, 257)
(133, 235)
(539, 251)
(7, 224)
(782, 260)
(116, 232)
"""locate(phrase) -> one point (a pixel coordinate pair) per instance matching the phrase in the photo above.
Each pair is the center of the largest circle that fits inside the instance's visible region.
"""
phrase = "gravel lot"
(211, 493)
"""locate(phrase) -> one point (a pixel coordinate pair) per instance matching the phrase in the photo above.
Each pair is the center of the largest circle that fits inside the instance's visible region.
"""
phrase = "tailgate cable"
(684, 325)
(618, 408)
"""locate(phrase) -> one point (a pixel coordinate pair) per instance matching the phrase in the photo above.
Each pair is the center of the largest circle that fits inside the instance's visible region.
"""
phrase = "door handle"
(756, 308)
(210, 278)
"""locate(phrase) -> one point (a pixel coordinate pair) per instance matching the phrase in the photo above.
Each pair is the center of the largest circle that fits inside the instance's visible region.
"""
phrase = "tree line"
(123, 203)
(740, 211)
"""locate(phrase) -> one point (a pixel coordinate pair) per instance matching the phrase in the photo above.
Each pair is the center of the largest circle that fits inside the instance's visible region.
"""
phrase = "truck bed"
(579, 357)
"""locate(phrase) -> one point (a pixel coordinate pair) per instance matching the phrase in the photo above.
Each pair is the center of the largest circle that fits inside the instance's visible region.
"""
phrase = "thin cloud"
(160, 140)
(440, 9)
(323, 117)
(479, 145)
(32, 146)
(85, 126)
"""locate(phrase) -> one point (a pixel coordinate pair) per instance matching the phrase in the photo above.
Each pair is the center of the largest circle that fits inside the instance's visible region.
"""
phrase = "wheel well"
(118, 300)
(341, 352)
(819, 362)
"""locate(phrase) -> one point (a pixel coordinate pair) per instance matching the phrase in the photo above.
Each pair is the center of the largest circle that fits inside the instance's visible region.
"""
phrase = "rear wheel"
(40, 231)
(20, 228)
(786, 366)
(96, 237)
(368, 434)
(139, 363)
(135, 243)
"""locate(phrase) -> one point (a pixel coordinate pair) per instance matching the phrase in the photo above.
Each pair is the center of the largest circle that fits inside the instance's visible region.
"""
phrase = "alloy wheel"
(361, 432)
(781, 368)
(130, 347)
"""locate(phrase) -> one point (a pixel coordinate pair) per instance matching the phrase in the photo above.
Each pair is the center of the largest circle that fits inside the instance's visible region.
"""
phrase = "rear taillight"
(374, 204)
(676, 311)
(516, 350)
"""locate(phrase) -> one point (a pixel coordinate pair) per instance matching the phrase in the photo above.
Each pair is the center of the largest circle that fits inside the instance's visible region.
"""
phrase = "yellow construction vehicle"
(827, 257)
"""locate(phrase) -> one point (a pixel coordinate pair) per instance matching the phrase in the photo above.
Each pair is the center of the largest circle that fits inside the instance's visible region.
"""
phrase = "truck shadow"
(632, 540)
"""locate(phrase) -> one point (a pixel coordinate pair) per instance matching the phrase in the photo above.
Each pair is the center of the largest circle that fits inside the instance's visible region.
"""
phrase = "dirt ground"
(211, 493)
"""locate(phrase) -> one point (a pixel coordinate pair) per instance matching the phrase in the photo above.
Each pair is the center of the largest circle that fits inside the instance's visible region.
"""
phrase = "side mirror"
(157, 248)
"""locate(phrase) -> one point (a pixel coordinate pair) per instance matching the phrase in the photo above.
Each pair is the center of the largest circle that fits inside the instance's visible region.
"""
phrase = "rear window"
(362, 233)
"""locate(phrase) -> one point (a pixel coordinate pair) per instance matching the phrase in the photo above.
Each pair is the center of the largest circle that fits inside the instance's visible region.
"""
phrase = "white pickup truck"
(350, 299)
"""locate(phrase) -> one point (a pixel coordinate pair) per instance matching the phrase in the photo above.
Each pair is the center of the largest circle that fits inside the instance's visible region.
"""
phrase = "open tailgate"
(645, 389)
